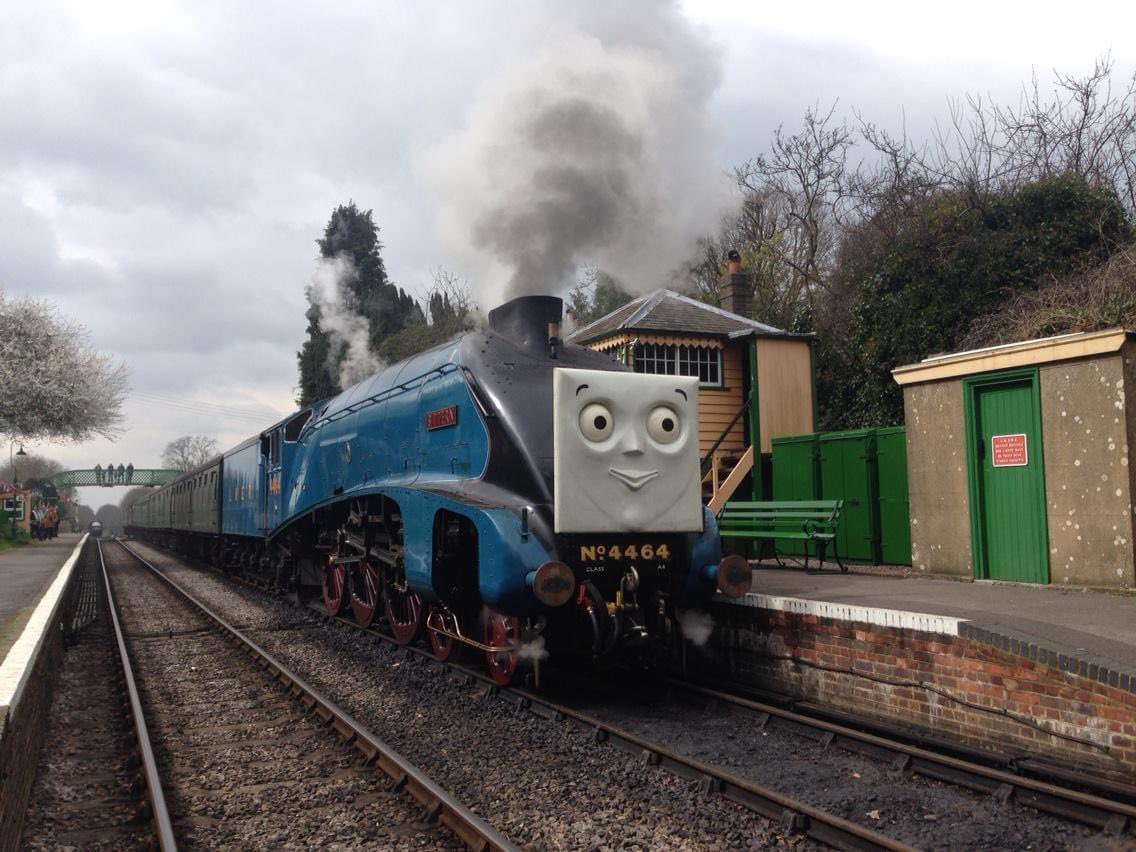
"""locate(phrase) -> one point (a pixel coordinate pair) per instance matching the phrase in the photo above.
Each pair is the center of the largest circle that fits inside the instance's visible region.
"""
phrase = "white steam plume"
(598, 148)
(533, 650)
(349, 332)
(696, 626)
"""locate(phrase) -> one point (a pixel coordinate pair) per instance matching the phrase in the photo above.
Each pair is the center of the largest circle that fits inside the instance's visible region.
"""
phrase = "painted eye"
(596, 422)
(663, 425)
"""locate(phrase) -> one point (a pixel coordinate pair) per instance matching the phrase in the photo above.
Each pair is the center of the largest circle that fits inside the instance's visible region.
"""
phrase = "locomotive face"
(626, 452)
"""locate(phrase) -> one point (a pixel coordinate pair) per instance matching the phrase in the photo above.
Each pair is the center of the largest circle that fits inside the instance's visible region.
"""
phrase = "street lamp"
(12, 463)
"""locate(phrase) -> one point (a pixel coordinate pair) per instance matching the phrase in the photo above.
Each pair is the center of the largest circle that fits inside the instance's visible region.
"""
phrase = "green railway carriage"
(191, 503)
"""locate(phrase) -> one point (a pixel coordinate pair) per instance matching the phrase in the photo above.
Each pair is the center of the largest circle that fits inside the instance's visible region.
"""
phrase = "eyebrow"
(682, 392)
(580, 388)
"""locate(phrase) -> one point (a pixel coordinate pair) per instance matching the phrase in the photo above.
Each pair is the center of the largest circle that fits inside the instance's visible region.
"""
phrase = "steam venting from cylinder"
(597, 149)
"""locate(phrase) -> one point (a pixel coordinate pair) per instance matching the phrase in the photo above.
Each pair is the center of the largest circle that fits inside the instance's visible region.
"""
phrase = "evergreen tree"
(351, 233)
(596, 295)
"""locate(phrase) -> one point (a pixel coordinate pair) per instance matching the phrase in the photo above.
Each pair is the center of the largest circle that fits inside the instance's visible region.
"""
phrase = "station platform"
(1030, 672)
(25, 574)
(1088, 628)
(34, 583)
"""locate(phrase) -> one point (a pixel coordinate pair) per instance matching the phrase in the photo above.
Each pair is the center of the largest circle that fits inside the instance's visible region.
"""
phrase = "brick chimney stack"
(737, 297)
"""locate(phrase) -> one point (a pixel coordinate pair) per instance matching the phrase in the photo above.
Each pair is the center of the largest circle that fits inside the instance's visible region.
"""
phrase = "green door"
(895, 513)
(848, 472)
(1007, 482)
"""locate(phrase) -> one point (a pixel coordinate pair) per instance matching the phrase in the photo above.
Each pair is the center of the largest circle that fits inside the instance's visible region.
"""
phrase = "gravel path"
(82, 796)
(544, 785)
(241, 767)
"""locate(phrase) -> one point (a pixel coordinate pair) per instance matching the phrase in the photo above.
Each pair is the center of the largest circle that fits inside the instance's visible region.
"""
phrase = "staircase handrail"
(708, 459)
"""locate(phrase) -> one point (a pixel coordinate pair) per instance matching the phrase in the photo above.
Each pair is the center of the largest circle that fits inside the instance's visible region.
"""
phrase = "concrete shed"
(1018, 461)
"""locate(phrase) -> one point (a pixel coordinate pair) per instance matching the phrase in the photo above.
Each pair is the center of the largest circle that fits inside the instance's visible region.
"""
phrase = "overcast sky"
(165, 168)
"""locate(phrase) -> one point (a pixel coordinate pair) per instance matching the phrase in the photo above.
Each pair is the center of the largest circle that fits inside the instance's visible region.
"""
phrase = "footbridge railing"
(111, 476)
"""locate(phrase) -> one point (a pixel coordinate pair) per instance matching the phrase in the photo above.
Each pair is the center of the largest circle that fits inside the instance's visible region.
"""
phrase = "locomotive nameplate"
(442, 417)
(599, 557)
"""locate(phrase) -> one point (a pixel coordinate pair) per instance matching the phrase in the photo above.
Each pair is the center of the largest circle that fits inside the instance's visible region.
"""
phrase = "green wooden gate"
(1009, 537)
(795, 477)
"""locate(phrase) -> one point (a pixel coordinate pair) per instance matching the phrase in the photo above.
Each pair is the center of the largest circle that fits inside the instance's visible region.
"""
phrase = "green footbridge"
(111, 476)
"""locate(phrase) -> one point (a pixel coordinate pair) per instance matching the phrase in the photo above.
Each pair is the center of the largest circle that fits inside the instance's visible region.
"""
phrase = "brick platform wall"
(952, 687)
(22, 727)
(20, 742)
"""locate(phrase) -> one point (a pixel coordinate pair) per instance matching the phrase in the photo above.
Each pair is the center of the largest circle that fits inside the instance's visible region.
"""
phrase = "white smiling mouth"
(633, 479)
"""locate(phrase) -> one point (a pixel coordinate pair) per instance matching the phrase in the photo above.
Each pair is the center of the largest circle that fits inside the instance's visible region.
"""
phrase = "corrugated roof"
(666, 310)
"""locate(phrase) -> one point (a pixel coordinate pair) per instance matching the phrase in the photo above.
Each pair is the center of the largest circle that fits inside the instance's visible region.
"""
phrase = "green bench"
(797, 520)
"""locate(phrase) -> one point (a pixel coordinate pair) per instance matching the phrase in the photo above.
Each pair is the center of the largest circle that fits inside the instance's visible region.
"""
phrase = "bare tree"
(84, 514)
(1089, 299)
(110, 516)
(188, 452)
(133, 496)
(1082, 126)
(31, 466)
(801, 182)
(53, 385)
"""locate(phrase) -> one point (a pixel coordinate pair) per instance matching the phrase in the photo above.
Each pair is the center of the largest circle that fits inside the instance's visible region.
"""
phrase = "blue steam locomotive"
(505, 492)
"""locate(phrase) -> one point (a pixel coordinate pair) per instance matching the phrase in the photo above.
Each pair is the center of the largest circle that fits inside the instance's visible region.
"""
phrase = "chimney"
(531, 322)
(735, 291)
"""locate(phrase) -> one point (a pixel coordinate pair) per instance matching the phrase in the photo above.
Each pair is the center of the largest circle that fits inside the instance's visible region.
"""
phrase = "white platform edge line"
(903, 619)
(18, 663)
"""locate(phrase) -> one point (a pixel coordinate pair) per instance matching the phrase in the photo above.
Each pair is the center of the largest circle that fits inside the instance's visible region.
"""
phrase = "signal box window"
(668, 359)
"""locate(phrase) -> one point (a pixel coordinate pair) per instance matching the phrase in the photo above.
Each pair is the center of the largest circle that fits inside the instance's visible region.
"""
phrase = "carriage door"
(1007, 486)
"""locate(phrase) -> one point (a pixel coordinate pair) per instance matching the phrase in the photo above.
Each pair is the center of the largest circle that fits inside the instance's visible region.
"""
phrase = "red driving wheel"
(334, 585)
(442, 645)
(502, 631)
(404, 614)
(365, 592)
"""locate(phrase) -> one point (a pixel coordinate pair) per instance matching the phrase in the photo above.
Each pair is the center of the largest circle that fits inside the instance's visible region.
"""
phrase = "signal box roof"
(668, 311)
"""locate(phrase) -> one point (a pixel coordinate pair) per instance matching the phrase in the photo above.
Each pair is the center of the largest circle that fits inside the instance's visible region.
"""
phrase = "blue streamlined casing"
(707, 552)
(373, 436)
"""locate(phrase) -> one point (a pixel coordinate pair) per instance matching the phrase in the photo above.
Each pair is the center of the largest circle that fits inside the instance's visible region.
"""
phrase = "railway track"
(1113, 816)
(791, 810)
(96, 787)
(245, 751)
(790, 815)
(1094, 802)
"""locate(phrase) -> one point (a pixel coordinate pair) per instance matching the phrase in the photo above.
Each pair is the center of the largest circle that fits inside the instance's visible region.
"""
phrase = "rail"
(1113, 817)
(792, 815)
(439, 804)
(159, 813)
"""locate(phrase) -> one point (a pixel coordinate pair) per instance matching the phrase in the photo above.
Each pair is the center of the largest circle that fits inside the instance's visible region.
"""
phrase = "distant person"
(38, 528)
(98, 475)
(51, 521)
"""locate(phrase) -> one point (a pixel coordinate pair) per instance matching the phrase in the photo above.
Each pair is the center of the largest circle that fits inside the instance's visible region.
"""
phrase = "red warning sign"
(1009, 451)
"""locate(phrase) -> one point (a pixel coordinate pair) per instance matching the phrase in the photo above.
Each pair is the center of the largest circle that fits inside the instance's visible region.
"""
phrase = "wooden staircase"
(726, 472)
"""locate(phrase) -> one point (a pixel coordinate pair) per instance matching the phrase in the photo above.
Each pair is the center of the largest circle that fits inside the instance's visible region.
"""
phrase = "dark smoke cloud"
(597, 149)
